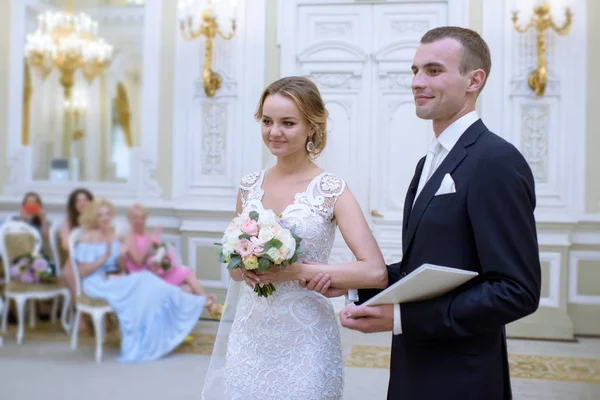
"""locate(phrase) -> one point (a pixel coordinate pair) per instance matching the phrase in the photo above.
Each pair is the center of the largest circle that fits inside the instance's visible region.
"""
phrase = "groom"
(470, 205)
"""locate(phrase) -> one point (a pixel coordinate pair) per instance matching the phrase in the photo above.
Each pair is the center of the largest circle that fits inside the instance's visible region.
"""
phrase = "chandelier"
(67, 42)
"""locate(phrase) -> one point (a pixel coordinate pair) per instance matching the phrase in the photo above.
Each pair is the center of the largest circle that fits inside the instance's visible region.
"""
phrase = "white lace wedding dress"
(288, 346)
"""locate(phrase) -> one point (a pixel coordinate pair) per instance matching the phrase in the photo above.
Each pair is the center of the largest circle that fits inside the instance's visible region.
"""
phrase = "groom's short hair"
(476, 53)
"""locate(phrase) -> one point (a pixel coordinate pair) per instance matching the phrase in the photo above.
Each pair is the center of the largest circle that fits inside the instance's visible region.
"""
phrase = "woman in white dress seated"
(287, 346)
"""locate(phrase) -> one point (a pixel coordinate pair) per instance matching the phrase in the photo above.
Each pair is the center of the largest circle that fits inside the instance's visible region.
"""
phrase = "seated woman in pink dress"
(140, 250)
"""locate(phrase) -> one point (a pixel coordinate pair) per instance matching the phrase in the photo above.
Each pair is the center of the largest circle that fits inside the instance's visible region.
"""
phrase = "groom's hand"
(368, 319)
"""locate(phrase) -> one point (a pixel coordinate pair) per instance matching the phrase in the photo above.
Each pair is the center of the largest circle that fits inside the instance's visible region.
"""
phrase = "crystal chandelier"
(67, 42)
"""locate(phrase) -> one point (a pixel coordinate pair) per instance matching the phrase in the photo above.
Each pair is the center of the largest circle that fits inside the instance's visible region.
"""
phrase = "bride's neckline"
(296, 195)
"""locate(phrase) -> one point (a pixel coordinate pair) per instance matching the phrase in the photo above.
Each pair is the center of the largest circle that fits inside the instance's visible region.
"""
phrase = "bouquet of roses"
(31, 268)
(163, 257)
(256, 241)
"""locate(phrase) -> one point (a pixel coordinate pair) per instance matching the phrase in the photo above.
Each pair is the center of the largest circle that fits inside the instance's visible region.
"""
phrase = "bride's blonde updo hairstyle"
(308, 99)
(88, 220)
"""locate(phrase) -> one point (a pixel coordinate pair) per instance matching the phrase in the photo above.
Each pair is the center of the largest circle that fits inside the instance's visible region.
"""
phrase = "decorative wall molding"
(535, 123)
(574, 258)
(216, 141)
(554, 261)
(326, 50)
(192, 245)
(336, 80)
(549, 130)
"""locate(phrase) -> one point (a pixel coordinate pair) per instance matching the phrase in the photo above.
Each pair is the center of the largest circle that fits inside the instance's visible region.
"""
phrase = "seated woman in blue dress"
(154, 317)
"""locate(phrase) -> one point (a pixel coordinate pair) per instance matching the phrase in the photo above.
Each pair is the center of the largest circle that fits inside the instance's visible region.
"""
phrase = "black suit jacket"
(454, 347)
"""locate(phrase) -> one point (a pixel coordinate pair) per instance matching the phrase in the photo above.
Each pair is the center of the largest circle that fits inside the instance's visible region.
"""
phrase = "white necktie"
(430, 165)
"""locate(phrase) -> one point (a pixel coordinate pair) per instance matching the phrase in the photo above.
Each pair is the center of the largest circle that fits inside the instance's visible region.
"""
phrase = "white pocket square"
(447, 186)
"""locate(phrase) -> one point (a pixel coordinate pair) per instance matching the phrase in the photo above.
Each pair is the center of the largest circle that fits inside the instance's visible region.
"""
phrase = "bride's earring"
(310, 145)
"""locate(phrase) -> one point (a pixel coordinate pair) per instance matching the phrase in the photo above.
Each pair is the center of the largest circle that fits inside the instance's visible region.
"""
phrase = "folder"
(426, 282)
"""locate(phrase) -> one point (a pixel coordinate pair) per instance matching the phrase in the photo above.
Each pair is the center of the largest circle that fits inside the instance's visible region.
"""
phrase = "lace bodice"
(311, 212)
(288, 345)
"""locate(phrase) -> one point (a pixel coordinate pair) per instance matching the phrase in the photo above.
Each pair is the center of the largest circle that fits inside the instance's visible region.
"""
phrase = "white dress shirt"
(437, 152)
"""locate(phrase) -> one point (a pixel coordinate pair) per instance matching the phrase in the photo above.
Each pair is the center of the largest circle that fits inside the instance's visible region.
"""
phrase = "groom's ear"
(476, 80)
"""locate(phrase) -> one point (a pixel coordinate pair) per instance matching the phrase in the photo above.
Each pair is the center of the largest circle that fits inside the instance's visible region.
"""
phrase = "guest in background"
(32, 212)
(154, 316)
(140, 249)
(76, 204)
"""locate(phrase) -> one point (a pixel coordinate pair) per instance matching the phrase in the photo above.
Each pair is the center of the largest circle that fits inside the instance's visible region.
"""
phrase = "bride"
(288, 346)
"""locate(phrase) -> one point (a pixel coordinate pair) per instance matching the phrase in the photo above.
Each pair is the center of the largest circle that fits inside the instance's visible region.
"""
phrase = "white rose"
(266, 218)
(275, 255)
(160, 253)
(232, 235)
(289, 244)
(228, 249)
(265, 234)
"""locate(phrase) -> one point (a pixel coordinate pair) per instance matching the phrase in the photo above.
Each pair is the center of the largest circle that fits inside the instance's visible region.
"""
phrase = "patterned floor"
(524, 366)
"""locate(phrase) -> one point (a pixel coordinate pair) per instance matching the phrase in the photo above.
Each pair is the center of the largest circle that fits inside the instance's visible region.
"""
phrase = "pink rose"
(256, 247)
(39, 264)
(155, 240)
(243, 248)
(28, 278)
(160, 271)
(250, 227)
(241, 221)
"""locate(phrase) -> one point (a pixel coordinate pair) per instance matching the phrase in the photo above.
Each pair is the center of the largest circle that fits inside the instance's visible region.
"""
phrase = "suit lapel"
(410, 197)
(452, 160)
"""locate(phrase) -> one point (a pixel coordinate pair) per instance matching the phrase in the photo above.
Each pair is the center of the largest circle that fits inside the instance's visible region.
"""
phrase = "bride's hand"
(275, 274)
(249, 277)
(322, 284)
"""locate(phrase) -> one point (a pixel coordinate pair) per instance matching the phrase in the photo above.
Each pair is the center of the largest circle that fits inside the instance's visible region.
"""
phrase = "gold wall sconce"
(541, 20)
(209, 28)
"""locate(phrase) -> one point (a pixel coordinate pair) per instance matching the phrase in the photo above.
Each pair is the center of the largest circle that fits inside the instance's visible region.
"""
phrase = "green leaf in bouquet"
(222, 258)
(294, 259)
(253, 215)
(244, 236)
(234, 262)
(219, 249)
(273, 243)
(264, 264)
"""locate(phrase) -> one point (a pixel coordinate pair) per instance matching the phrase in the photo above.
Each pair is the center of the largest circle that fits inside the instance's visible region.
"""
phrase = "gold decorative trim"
(124, 113)
(551, 368)
(27, 92)
(523, 366)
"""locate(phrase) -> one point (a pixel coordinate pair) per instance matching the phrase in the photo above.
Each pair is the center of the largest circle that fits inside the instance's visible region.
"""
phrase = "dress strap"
(329, 188)
(249, 184)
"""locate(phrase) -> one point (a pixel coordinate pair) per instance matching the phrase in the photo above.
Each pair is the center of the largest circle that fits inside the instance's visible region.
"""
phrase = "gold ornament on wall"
(124, 113)
(209, 28)
(75, 111)
(542, 20)
(27, 92)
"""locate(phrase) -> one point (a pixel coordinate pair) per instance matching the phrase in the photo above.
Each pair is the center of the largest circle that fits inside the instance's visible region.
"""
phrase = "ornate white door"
(360, 56)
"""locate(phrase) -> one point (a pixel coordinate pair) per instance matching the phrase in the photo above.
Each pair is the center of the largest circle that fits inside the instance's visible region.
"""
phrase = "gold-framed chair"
(18, 238)
(59, 257)
(96, 308)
